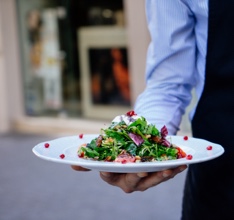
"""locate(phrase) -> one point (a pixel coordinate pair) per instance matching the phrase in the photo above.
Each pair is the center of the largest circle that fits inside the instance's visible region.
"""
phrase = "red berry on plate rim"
(46, 145)
(81, 136)
(209, 148)
(62, 156)
(185, 138)
(189, 157)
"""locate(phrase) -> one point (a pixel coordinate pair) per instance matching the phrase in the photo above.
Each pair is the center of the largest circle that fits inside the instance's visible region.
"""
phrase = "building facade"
(55, 72)
(71, 66)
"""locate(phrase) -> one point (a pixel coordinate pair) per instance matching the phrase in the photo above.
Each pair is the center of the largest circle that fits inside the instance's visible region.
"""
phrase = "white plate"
(68, 146)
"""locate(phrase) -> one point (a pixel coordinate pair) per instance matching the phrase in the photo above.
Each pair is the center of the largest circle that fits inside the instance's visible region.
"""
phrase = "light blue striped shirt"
(175, 60)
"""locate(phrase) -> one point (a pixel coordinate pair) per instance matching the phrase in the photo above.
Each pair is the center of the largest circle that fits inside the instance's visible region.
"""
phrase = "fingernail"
(165, 174)
(143, 174)
(106, 174)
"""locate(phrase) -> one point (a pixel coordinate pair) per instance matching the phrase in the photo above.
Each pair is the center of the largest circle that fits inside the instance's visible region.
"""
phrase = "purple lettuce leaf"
(164, 131)
(137, 139)
(166, 143)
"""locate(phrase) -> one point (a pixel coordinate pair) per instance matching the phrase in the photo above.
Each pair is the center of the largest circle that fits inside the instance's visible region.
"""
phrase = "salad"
(130, 138)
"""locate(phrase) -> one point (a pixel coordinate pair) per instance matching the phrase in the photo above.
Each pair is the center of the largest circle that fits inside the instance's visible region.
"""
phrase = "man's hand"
(130, 182)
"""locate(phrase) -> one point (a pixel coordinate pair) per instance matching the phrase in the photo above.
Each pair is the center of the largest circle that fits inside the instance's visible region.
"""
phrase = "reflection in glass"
(109, 76)
(51, 73)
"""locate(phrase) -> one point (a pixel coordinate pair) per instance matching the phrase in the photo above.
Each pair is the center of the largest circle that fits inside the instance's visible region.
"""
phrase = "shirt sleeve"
(170, 64)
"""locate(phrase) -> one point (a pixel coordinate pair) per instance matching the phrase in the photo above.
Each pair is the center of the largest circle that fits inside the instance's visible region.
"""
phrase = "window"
(52, 64)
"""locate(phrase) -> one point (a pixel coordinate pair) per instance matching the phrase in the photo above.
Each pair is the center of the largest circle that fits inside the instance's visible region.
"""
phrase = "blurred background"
(68, 67)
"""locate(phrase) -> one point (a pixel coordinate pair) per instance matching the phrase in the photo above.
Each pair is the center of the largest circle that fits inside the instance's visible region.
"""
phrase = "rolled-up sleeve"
(171, 63)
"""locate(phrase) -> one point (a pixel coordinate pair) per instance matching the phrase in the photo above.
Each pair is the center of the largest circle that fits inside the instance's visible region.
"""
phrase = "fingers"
(126, 181)
(130, 182)
(111, 178)
(173, 172)
(78, 168)
(156, 178)
(142, 174)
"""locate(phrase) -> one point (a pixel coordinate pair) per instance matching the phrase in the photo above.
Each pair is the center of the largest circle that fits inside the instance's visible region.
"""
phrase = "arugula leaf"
(114, 134)
(152, 130)
(143, 127)
(92, 144)
(140, 123)
(131, 148)
(89, 152)
(137, 131)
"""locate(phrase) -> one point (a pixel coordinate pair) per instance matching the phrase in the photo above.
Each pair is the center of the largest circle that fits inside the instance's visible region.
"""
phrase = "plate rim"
(128, 167)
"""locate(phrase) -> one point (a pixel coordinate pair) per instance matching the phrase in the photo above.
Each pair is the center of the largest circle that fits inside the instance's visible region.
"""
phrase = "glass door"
(51, 57)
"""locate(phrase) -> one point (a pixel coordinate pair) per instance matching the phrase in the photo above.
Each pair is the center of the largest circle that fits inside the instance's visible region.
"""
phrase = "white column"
(11, 101)
(4, 117)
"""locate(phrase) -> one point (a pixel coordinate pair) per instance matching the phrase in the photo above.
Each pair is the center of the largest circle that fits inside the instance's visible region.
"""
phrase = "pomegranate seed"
(62, 156)
(209, 148)
(131, 113)
(179, 156)
(124, 161)
(81, 154)
(185, 138)
(81, 136)
(47, 145)
(189, 157)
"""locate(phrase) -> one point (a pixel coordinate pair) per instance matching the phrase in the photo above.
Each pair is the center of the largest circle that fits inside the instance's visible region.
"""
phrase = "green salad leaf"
(131, 138)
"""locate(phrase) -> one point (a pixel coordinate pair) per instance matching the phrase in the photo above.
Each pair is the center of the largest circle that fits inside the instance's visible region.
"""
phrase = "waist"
(218, 83)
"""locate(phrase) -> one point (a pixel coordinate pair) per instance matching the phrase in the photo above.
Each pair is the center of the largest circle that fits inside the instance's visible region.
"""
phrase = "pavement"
(35, 189)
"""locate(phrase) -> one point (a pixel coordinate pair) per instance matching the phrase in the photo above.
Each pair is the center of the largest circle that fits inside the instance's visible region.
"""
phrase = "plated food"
(129, 145)
(130, 138)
